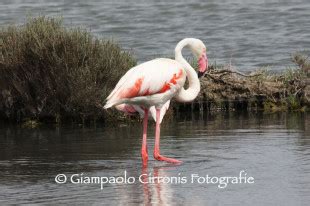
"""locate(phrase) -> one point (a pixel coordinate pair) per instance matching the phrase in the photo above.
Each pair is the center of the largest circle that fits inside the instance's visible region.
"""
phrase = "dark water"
(246, 33)
(274, 149)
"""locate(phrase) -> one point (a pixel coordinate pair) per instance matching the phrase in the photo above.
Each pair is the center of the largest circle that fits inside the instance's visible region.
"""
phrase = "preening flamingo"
(151, 85)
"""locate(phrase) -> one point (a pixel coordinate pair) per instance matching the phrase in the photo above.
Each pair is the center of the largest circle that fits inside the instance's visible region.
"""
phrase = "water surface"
(273, 149)
(245, 33)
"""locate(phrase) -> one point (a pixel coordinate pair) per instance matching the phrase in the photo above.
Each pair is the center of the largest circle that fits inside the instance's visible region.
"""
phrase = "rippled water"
(273, 149)
(247, 33)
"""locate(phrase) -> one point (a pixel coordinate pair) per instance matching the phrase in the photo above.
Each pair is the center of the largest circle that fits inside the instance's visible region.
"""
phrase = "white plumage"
(149, 82)
(150, 86)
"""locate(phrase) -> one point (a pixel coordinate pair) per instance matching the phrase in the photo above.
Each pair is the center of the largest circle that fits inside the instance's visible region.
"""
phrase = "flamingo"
(149, 87)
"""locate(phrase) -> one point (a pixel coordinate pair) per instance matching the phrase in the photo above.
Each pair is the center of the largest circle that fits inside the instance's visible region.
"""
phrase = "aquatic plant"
(53, 72)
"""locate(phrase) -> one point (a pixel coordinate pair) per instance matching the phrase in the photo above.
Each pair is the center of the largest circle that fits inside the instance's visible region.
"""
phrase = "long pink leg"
(144, 143)
(157, 139)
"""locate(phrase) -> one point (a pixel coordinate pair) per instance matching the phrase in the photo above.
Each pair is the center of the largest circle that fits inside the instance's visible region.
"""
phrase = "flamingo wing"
(152, 77)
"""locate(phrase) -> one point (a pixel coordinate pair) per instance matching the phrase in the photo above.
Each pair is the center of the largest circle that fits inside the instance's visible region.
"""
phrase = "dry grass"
(259, 90)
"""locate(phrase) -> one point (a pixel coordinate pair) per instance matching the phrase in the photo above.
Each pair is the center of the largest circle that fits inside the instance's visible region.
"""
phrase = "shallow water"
(273, 149)
(246, 33)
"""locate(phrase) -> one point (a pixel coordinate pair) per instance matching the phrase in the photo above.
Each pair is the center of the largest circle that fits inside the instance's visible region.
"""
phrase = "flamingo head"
(200, 51)
(203, 63)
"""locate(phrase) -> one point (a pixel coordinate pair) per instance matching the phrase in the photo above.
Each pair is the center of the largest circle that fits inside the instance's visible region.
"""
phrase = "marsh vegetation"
(224, 88)
(52, 73)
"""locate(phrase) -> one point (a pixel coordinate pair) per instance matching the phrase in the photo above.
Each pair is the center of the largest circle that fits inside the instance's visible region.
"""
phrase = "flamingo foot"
(166, 159)
(144, 157)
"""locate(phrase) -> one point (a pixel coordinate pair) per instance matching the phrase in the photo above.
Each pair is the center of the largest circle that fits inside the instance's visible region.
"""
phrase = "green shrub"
(47, 70)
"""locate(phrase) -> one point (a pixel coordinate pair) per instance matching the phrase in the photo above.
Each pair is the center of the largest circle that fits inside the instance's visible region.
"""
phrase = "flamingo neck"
(189, 94)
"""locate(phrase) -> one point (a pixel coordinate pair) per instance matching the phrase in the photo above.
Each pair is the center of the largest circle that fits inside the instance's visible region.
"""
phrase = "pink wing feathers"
(152, 77)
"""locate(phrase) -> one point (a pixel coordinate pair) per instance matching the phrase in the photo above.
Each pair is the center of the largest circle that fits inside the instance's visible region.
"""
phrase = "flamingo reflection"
(155, 191)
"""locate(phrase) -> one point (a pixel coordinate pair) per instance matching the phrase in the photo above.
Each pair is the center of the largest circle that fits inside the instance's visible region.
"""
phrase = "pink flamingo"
(151, 85)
